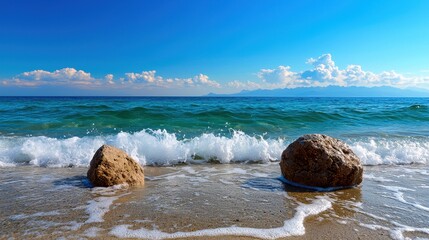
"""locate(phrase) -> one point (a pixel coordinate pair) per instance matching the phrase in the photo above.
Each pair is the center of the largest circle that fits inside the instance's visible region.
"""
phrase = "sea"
(211, 168)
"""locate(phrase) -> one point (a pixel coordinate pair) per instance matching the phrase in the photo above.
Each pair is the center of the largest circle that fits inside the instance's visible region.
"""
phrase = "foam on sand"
(99, 206)
(397, 230)
(38, 214)
(291, 227)
(92, 232)
(398, 193)
(377, 178)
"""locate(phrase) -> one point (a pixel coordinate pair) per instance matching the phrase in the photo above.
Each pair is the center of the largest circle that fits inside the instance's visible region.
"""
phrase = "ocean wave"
(418, 107)
(392, 152)
(159, 147)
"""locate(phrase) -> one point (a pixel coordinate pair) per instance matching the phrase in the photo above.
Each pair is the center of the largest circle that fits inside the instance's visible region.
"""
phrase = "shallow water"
(212, 200)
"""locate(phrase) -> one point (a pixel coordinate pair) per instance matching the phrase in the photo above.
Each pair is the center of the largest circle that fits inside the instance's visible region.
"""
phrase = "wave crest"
(148, 147)
(158, 147)
(392, 152)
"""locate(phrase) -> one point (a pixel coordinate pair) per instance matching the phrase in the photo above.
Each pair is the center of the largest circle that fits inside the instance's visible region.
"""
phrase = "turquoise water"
(56, 131)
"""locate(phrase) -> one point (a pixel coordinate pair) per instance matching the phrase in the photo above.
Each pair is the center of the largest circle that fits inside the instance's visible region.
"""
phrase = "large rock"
(111, 166)
(321, 161)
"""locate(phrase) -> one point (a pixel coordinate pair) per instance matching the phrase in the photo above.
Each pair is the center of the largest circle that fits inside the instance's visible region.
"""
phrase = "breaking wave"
(159, 147)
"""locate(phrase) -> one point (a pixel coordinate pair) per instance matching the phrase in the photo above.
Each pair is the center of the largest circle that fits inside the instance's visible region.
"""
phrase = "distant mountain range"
(330, 91)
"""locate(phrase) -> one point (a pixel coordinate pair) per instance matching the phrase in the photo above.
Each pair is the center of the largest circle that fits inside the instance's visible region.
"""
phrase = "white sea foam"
(377, 178)
(92, 232)
(415, 170)
(162, 148)
(38, 214)
(225, 182)
(99, 206)
(396, 231)
(382, 151)
(374, 226)
(291, 227)
(147, 147)
(398, 193)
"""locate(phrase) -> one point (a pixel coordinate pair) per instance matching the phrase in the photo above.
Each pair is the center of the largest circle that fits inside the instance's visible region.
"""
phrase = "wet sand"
(211, 200)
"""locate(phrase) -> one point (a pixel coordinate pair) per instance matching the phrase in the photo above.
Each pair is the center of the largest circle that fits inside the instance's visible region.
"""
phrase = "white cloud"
(204, 80)
(148, 80)
(109, 79)
(322, 72)
(282, 74)
(145, 76)
(63, 76)
(325, 72)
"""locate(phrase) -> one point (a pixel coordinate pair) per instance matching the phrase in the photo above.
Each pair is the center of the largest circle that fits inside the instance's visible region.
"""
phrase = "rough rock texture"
(321, 161)
(111, 166)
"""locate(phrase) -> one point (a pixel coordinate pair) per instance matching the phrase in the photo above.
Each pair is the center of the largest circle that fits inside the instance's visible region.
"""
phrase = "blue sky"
(195, 47)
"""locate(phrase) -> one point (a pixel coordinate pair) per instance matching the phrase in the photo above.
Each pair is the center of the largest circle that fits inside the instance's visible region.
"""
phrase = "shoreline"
(54, 202)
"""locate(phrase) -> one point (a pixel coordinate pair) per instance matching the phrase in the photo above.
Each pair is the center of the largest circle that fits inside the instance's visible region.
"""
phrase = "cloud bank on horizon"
(323, 72)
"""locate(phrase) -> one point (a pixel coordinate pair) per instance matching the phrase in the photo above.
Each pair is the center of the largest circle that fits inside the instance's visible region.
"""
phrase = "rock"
(111, 166)
(318, 160)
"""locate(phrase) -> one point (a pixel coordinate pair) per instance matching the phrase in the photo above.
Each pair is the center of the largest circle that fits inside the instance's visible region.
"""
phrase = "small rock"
(318, 160)
(112, 166)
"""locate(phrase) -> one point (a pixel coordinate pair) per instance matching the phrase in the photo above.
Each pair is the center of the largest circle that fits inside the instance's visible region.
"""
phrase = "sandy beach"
(235, 201)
